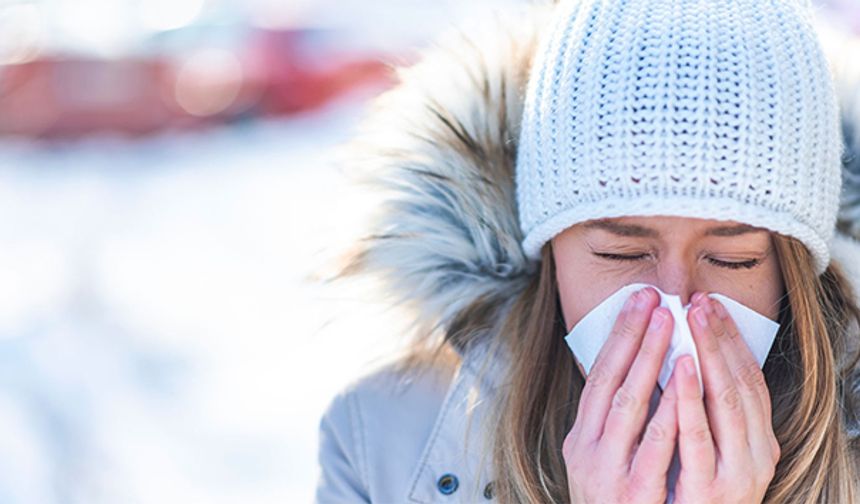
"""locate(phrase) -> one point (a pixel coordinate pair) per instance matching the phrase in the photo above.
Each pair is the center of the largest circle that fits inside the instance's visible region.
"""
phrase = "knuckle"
(623, 400)
(699, 433)
(710, 344)
(719, 330)
(656, 432)
(598, 377)
(730, 399)
(629, 326)
(731, 331)
(751, 376)
(648, 350)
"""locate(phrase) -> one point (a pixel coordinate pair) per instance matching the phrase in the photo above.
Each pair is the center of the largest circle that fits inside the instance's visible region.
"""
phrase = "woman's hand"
(727, 447)
(606, 459)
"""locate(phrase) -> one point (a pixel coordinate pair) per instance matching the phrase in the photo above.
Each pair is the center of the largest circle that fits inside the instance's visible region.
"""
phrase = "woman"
(533, 169)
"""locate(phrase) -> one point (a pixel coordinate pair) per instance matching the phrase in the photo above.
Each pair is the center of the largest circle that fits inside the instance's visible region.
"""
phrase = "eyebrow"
(635, 230)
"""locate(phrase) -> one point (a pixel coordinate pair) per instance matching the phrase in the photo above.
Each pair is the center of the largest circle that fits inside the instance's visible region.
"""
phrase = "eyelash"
(752, 263)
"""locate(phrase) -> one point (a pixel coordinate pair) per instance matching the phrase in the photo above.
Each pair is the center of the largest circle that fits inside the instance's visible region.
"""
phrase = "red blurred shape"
(66, 97)
(302, 69)
(280, 72)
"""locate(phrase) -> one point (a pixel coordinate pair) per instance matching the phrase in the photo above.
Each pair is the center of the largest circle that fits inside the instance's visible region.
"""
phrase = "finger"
(654, 454)
(752, 386)
(611, 365)
(629, 407)
(744, 354)
(595, 378)
(722, 399)
(695, 443)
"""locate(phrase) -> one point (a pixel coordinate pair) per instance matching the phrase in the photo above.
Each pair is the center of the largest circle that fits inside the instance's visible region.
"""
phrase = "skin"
(726, 444)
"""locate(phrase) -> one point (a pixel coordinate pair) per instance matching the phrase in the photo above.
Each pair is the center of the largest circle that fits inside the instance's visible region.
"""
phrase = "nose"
(677, 278)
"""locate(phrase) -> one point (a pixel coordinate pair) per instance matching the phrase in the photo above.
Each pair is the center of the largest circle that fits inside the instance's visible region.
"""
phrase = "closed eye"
(752, 263)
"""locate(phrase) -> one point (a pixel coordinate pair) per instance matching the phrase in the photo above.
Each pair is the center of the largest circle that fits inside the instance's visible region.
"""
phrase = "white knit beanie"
(717, 109)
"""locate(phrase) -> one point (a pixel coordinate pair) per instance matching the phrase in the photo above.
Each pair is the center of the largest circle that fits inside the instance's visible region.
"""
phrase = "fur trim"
(843, 51)
(440, 147)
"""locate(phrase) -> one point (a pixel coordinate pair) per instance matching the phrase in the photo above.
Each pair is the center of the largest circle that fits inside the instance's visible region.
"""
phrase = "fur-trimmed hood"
(440, 149)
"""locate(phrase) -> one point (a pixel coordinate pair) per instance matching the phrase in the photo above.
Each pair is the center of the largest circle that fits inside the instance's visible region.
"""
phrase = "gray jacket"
(441, 146)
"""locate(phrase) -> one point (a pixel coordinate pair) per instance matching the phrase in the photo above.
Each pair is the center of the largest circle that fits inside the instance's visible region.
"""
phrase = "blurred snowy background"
(165, 186)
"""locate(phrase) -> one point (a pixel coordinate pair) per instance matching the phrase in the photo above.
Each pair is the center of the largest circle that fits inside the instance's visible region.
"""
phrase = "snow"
(158, 336)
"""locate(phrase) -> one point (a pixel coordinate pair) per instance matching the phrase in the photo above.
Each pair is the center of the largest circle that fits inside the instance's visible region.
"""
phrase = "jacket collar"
(459, 441)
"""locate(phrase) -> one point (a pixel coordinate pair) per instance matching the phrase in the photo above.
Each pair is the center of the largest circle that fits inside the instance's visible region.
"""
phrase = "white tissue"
(589, 334)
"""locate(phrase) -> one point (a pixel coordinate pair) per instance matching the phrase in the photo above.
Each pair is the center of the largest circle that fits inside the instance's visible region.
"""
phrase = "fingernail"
(707, 305)
(689, 368)
(657, 319)
(697, 296)
(700, 316)
(641, 299)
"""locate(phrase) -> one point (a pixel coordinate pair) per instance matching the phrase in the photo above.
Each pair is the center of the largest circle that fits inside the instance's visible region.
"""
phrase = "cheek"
(761, 294)
(766, 299)
(584, 283)
(576, 301)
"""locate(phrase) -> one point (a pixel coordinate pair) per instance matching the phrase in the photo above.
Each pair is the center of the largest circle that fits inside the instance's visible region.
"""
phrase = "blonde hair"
(809, 373)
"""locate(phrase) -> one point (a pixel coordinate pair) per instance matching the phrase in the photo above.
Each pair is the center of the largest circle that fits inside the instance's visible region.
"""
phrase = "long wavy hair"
(810, 373)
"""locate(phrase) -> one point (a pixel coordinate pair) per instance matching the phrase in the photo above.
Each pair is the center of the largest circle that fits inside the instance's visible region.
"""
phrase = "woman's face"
(680, 255)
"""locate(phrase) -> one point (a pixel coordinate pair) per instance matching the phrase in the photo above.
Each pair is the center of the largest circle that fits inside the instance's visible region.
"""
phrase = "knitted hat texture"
(717, 109)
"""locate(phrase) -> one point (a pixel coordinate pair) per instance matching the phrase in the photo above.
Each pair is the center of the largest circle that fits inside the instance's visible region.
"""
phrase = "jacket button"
(447, 484)
(489, 490)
